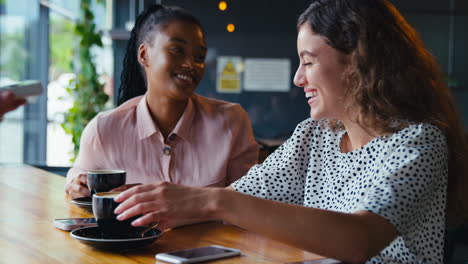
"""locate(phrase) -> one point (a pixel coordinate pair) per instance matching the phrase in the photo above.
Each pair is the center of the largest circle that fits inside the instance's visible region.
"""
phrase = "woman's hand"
(9, 102)
(165, 203)
(77, 186)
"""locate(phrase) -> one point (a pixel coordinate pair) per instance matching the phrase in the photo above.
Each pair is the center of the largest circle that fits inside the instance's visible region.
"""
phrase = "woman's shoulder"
(214, 105)
(214, 109)
(118, 116)
(420, 133)
(419, 139)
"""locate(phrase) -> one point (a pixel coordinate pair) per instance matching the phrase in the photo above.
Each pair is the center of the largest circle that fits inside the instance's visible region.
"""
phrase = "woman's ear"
(143, 55)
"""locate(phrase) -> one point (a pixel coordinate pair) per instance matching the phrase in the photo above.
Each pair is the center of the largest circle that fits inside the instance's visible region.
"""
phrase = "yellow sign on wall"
(229, 74)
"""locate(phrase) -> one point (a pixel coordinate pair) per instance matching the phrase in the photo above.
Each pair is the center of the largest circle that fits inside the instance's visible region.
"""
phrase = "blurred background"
(38, 41)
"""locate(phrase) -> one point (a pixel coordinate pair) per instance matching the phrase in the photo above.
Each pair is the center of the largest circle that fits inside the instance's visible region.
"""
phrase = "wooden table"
(30, 199)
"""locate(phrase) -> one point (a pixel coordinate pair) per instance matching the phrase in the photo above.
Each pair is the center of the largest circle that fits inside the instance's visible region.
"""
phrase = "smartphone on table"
(195, 255)
(318, 261)
(69, 224)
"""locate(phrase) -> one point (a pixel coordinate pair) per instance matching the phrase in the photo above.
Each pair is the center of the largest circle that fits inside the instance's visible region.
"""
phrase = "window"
(37, 42)
(62, 41)
(19, 49)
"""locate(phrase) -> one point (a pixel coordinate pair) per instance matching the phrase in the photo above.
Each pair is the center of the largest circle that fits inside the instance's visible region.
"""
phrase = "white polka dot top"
(401, 177)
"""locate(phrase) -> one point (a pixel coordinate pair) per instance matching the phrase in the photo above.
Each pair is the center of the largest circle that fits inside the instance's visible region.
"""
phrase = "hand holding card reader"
(195, 255)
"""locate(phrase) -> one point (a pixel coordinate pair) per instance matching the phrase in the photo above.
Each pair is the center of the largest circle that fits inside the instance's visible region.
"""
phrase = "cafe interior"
(75, 50)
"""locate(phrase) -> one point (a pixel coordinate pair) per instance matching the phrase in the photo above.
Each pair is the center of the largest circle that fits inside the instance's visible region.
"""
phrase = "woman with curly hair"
(372, 175)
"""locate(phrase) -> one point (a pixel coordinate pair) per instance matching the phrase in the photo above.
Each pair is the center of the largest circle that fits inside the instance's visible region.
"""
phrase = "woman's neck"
(356, 137)
(166, 112)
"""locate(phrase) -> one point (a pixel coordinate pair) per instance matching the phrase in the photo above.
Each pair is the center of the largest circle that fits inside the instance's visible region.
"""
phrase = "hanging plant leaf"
(85, 88)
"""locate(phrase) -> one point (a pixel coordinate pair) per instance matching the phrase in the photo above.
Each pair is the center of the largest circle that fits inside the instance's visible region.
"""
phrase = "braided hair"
(133, 78)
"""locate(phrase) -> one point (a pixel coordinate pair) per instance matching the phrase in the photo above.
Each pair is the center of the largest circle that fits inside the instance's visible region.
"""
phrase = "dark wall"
(433, 20)
(266, 29)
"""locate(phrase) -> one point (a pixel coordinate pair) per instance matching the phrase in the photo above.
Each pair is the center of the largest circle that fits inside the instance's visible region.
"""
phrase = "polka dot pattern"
(401, 177)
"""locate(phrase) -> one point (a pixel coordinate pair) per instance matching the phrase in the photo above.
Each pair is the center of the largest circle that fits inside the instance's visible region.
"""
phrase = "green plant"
(13, 55)
(85, 88)
(62, 40)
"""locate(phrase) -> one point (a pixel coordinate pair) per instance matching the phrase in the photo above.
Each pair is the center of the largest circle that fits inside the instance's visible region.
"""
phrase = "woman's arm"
(90, 156)
(348, 237)
(244, 147)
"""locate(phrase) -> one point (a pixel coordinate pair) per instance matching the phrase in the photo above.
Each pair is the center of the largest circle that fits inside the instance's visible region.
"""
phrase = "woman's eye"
(307, 63)
(200, 58)
(177, 50)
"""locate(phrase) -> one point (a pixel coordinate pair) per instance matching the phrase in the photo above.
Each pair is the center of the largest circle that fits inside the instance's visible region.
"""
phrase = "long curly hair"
(133, 78)
(393, 79)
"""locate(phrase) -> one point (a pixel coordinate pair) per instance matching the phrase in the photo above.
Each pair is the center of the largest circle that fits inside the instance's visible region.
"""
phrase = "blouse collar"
(147, 127)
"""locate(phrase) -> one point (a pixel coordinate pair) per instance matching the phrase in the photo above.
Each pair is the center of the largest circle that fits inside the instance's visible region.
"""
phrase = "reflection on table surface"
(30, 199)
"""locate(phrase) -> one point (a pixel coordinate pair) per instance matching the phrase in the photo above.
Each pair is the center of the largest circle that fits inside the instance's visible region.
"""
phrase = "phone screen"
(77, 221)
(199, 252)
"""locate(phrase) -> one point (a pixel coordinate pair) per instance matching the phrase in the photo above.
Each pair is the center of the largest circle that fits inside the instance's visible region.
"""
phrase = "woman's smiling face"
(174, 61)
(320, 74)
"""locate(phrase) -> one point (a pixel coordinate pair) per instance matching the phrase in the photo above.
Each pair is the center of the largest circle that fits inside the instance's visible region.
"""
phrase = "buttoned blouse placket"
(168, 152)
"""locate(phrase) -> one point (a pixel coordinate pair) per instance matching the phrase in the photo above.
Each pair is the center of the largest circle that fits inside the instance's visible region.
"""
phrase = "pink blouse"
(211, 145)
